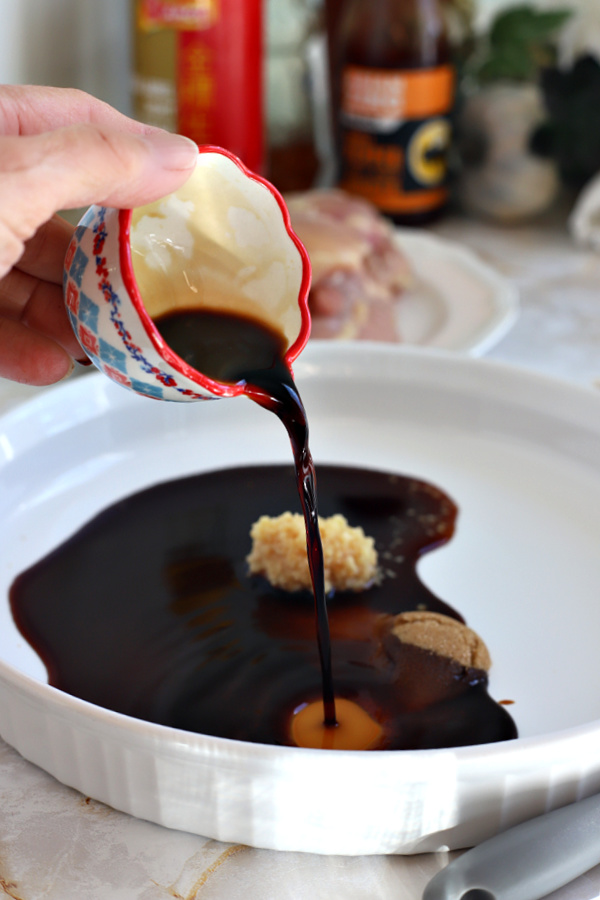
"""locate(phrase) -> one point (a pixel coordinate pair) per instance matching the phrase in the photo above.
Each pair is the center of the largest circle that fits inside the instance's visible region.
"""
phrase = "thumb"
(80, 165)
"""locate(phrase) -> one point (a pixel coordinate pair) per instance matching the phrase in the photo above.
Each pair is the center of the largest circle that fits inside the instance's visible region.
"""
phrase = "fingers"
(80, 165)
(44, 253)
(33, 110)
(63, 149)
(29, 357)
(31, 299)
(40, 306)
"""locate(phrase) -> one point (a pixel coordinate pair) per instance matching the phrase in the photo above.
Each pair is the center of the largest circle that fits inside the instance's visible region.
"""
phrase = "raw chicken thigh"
(359, 271)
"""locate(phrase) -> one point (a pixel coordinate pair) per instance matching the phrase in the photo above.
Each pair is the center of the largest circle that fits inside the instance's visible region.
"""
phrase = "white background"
(68, 43)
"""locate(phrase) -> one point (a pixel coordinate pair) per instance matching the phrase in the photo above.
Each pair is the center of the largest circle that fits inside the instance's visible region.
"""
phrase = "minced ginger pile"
(279, 553)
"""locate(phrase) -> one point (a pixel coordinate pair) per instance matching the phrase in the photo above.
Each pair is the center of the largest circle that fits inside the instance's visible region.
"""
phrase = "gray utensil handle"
(527, 861)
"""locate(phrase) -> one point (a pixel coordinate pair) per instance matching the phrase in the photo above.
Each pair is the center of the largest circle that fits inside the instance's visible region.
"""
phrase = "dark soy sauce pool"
(149, 610)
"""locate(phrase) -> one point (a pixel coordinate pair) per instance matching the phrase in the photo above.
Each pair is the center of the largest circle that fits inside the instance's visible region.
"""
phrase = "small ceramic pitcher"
(221, 242)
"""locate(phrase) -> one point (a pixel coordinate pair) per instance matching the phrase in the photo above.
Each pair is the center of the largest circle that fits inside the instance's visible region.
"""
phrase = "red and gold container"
(198, 70)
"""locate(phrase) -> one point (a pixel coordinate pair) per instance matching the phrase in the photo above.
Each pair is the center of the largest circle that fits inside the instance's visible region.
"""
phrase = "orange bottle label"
(180, 15)
(395, 136)
(396, 96)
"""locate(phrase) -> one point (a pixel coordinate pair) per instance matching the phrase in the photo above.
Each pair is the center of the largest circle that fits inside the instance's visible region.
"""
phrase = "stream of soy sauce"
(233, 349)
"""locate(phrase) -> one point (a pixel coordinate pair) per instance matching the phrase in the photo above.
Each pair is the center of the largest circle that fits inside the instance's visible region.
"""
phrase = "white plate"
(519, 453)
(458, 303)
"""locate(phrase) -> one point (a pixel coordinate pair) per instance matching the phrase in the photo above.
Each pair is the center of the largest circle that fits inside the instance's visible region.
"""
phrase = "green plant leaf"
(519, 44)
(526, 24)
(510, 63)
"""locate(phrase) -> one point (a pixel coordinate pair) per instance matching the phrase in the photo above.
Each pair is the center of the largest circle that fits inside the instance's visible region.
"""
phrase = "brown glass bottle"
(394, 91)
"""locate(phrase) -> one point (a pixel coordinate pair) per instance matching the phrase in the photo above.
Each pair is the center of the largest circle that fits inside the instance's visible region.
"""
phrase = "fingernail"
(173, 151)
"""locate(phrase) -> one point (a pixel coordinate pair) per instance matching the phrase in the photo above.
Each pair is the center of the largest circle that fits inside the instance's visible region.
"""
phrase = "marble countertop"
(56, 844)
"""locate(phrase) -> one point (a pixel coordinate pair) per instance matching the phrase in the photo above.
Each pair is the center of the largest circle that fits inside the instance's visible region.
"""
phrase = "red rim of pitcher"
(215, 387)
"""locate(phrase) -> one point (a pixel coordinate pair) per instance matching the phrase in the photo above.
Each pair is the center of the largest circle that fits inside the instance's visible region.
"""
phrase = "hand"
(62, 149)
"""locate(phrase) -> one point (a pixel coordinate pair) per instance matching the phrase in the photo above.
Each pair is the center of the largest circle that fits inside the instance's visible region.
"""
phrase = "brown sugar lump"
(279, 553)
(441, 635)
